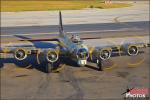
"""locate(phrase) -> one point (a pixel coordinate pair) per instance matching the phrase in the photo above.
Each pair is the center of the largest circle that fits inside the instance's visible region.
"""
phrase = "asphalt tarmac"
(71, 82)
(75, 82)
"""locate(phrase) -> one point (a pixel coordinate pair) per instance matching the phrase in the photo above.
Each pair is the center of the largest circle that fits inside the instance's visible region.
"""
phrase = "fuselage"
(78, 50)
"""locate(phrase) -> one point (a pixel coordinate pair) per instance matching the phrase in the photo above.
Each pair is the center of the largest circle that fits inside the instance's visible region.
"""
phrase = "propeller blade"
(109, 64)
(135, 61)
(90, 52)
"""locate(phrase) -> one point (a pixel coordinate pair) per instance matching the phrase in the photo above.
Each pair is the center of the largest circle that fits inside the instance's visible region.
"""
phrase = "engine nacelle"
(132, 50)
(105, 54)
(52, 55)
(20, 54)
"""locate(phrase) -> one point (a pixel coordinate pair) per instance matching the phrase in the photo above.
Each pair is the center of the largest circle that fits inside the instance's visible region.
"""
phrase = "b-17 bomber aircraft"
(74, 48)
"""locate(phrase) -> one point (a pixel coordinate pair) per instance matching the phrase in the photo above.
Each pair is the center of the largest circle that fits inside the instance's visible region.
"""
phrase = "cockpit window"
(75, 39)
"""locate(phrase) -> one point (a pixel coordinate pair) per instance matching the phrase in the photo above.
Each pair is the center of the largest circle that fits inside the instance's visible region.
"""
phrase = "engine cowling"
(132, 50)
(20, 54)
(52, 56)
(82, 53)
(105, 54)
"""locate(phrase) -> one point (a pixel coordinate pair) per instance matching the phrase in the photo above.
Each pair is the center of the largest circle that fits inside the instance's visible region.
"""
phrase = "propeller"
(135, 61)
(52, 56)
(103, 61)
(133, 50)
(105, 54)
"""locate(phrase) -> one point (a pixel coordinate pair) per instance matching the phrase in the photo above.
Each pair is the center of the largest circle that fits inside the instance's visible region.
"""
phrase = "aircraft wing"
(104, 49)
(43, 51)
(55, 39)
(27, 46)
(32, 40)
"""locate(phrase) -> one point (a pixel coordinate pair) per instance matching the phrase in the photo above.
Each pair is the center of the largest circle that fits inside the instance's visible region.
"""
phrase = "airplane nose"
(82, 53)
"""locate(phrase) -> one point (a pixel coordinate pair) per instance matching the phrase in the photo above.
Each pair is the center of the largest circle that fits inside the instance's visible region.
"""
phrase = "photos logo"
(136, 93)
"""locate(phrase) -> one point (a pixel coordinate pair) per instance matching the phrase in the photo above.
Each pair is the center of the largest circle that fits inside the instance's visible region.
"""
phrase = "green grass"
(13, 6)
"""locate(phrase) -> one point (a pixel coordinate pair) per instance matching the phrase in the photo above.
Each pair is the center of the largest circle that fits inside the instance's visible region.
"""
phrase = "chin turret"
(82, 62)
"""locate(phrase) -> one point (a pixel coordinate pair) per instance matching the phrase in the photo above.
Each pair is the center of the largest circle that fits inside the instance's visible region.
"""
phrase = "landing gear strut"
(49, 67)
(52, 66)
(99, 65)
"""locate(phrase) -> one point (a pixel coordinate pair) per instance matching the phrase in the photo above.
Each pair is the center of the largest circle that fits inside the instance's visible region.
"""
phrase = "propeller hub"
(105, 54)
(52, 56)
(132, 50)
(20, 54)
